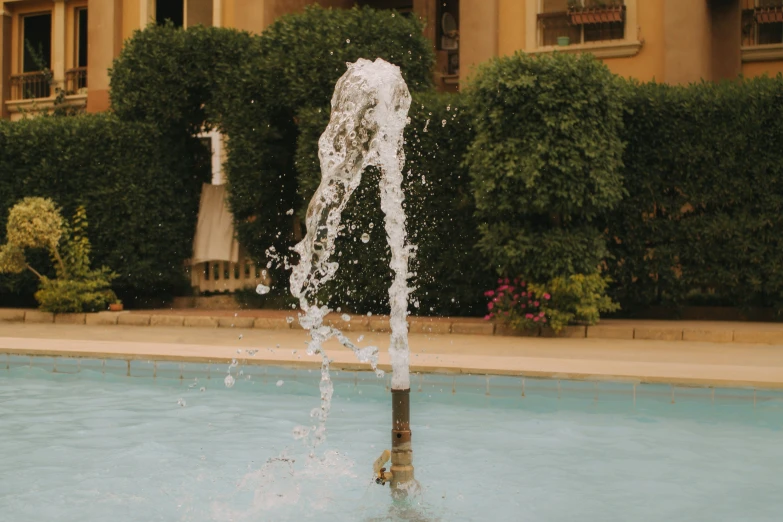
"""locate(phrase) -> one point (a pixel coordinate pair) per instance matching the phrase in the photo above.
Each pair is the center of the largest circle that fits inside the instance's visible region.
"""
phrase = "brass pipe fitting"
(402, 452)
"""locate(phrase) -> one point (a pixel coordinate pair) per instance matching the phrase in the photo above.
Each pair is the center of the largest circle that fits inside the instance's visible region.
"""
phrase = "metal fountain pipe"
(402, 452)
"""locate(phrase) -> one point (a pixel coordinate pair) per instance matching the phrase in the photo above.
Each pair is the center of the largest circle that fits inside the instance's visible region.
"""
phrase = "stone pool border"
(692, 331)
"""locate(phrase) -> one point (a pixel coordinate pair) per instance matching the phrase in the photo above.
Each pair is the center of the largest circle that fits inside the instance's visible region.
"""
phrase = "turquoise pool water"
(89, 443)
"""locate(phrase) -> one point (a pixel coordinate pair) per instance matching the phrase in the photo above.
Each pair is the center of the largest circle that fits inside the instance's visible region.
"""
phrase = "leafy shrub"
(439, 208)
(251, 87)
(701, 223)
(562, 301)
(546, 163)
(36, 223)
(300, 58)
(513, 303)
(142, 190)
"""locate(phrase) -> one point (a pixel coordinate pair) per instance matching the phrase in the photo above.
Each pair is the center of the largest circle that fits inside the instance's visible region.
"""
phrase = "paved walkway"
(683, 363)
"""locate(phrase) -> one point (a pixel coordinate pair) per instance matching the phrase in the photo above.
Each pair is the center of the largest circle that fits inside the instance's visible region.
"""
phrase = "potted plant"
(599, 11)
(769, 13)
(116, 306)
(563, 41)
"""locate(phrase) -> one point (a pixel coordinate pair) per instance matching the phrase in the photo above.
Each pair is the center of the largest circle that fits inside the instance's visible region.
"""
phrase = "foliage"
(546, 162)
(439, 208)
(546, 165)
(513, 303)
(574, 299)
(701, 223)
(34, 223)
(250, 87)
(300, 58)
(141, 188)
(75, 295)
(37, 223)
(304, 54)
(558, 303)
(180, 80)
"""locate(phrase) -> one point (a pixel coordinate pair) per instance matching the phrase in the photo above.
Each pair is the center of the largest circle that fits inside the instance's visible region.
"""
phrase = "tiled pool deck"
(682, 363)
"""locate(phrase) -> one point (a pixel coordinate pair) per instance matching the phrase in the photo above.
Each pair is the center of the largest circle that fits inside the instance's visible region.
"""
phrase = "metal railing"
(221, 276)
(582, 25)
(762, 22)
(30, 85)
(75, 80)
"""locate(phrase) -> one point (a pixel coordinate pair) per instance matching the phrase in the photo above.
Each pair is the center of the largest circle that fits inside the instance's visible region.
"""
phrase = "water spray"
(369, 114)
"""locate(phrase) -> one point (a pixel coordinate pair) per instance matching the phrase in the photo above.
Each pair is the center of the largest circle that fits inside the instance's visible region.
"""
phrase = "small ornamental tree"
(546, 163)
(36, 223)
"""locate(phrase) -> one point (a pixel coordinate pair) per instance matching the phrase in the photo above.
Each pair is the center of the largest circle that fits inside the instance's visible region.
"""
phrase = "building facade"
(673, 41)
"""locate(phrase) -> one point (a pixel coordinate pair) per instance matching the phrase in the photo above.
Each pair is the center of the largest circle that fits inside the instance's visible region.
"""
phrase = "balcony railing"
(30, 85)
(762, 22)
(75, 80)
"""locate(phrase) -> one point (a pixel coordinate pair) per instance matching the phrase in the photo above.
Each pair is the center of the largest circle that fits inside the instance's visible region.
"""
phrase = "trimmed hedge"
(449, 276)
(704, 174)
(300, 58)
(251, 87)
(546, 162)
(140, 190)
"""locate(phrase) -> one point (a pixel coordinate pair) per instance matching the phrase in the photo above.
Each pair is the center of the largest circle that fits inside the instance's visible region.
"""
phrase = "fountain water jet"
(369, 114)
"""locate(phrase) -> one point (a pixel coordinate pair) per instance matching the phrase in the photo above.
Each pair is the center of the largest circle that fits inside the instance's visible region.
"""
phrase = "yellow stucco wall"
(650, 62)
(511, 26)
(131, 18)
(753, 69)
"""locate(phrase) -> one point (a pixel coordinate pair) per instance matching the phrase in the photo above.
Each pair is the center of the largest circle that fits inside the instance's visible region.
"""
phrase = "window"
(199, 12)
(568, 22)
(762, 22)
(173, 10)
(80, 60)
(447, 33)
(37, 40)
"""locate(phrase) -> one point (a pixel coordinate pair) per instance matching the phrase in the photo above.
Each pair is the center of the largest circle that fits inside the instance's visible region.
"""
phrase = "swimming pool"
(82, 441)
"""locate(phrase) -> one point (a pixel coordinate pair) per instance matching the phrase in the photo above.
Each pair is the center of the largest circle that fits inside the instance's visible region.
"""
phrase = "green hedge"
(300, 58)
(546, 162)
(704, 173)
(450, 276)
(140, 190)
(251, 87)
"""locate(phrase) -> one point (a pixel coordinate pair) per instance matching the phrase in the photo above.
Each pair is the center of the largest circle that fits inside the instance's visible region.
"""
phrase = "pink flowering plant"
(512, 302)
(576, 299)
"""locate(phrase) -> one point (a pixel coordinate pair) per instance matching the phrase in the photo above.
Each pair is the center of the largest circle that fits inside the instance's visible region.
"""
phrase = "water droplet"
(228, 381)
(372, 225)
(289, 212)
(202, 389)
(289, 320)
(348, 41)
(360, 339)
(443, 123)
(181, 402)
(279, 383)
(262, 289)
(345, 317)
(369, 314)
(365, 238)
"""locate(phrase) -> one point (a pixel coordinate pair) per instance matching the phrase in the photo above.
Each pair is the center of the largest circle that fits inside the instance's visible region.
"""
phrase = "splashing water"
(369, 114)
